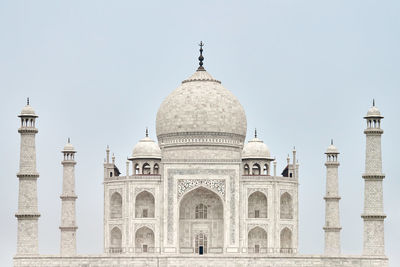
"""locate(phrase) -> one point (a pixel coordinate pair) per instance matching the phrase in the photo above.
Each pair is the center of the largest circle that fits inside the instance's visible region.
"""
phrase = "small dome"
(145, 149)
(373, 112)
(28, 111)
(332, 150)
(256, 148)
(69, 146)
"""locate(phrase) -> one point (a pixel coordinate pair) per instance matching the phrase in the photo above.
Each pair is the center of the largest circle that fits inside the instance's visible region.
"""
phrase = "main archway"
(201, 222)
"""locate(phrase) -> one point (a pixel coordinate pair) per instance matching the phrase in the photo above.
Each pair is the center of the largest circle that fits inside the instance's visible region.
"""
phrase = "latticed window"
(201, 211)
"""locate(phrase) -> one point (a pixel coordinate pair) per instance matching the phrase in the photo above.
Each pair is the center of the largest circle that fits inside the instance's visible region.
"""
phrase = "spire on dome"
(201, 58)
(373, 102)
(255, 133)
(147, 132)
(332, 141)
(69, 140)
(27, 101)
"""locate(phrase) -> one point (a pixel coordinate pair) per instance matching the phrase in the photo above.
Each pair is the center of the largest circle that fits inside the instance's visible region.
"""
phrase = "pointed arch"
(146, 169)
(256, 169)
(156, 169)
(116, 206)
(195, 206)
(144, 205)
(115, 239)
(246, 169)
(286, 207)
(144, 240)
(257, 205)
(257, 240)
(286, 240)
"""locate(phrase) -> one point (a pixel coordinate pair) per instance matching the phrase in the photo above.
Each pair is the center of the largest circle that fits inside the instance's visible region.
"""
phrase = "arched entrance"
(144, 240)
(257, 240)
(201, 222)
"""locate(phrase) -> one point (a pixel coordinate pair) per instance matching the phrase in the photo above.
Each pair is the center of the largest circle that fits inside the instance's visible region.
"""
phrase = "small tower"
(373, 215)
(27, 215)
(332, 219)
(68, 224)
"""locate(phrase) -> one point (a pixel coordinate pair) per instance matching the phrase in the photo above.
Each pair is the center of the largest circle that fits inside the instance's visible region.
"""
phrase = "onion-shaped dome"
(256, 149)
(201, 107)
(146, 149)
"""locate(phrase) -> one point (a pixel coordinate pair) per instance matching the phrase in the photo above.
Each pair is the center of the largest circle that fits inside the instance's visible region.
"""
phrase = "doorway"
(200, 243)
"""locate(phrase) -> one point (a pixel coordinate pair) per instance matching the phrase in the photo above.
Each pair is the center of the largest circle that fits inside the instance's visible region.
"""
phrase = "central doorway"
(200, 243)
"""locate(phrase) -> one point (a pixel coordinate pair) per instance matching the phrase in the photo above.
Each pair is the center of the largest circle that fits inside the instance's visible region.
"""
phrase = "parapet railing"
(208, 250)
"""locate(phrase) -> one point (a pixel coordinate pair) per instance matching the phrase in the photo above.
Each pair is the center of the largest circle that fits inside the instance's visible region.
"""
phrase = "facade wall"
(203, 261)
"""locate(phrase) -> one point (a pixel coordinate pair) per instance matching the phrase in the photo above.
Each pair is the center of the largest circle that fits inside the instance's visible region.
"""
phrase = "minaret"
(27, 215)
(373, 215)
(68, 225)
(332, 219)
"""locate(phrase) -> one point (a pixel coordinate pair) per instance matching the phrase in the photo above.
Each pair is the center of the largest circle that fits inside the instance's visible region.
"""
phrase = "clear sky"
(97, 71)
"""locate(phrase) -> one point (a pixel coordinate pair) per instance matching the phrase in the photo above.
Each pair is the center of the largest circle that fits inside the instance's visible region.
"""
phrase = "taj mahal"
(200, 195)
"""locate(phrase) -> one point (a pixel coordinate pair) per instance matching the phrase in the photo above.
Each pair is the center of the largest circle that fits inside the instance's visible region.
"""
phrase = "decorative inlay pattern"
(217, 185)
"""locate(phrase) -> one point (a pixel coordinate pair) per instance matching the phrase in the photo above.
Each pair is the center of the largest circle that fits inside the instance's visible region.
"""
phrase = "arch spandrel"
(185, 186)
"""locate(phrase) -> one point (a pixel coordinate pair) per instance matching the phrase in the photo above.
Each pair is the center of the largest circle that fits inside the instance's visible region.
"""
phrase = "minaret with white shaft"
(68, 225)
(27, 215)
(373, 215)
(332, 219)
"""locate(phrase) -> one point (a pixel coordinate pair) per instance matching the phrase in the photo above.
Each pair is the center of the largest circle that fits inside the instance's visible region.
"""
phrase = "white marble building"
(201, 195)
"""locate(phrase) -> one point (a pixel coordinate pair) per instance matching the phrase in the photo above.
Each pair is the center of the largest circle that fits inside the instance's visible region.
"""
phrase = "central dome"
(201, 105)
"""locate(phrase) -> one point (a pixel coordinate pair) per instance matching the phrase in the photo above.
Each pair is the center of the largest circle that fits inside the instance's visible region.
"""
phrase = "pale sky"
(97, 71)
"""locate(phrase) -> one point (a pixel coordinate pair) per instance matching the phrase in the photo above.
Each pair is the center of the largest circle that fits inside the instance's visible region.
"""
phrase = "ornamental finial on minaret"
(201, 58)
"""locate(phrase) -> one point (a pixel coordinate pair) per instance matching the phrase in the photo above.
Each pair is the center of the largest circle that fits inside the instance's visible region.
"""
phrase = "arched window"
(144, 240)
(115, 240)
(156, 169)
(286, 206)
(116, 206)
(144, 205)
(137, 169)
(256, 169)
(146, 168)
(257, 205)
(265, 169)
(257, 240)
(286, 241)
(246, 169)
(201, 212)
(200, 243)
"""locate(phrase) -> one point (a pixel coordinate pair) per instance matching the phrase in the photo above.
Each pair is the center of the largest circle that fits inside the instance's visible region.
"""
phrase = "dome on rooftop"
(256, 149)
(146, 149)
(27, 111)
(201, 105)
